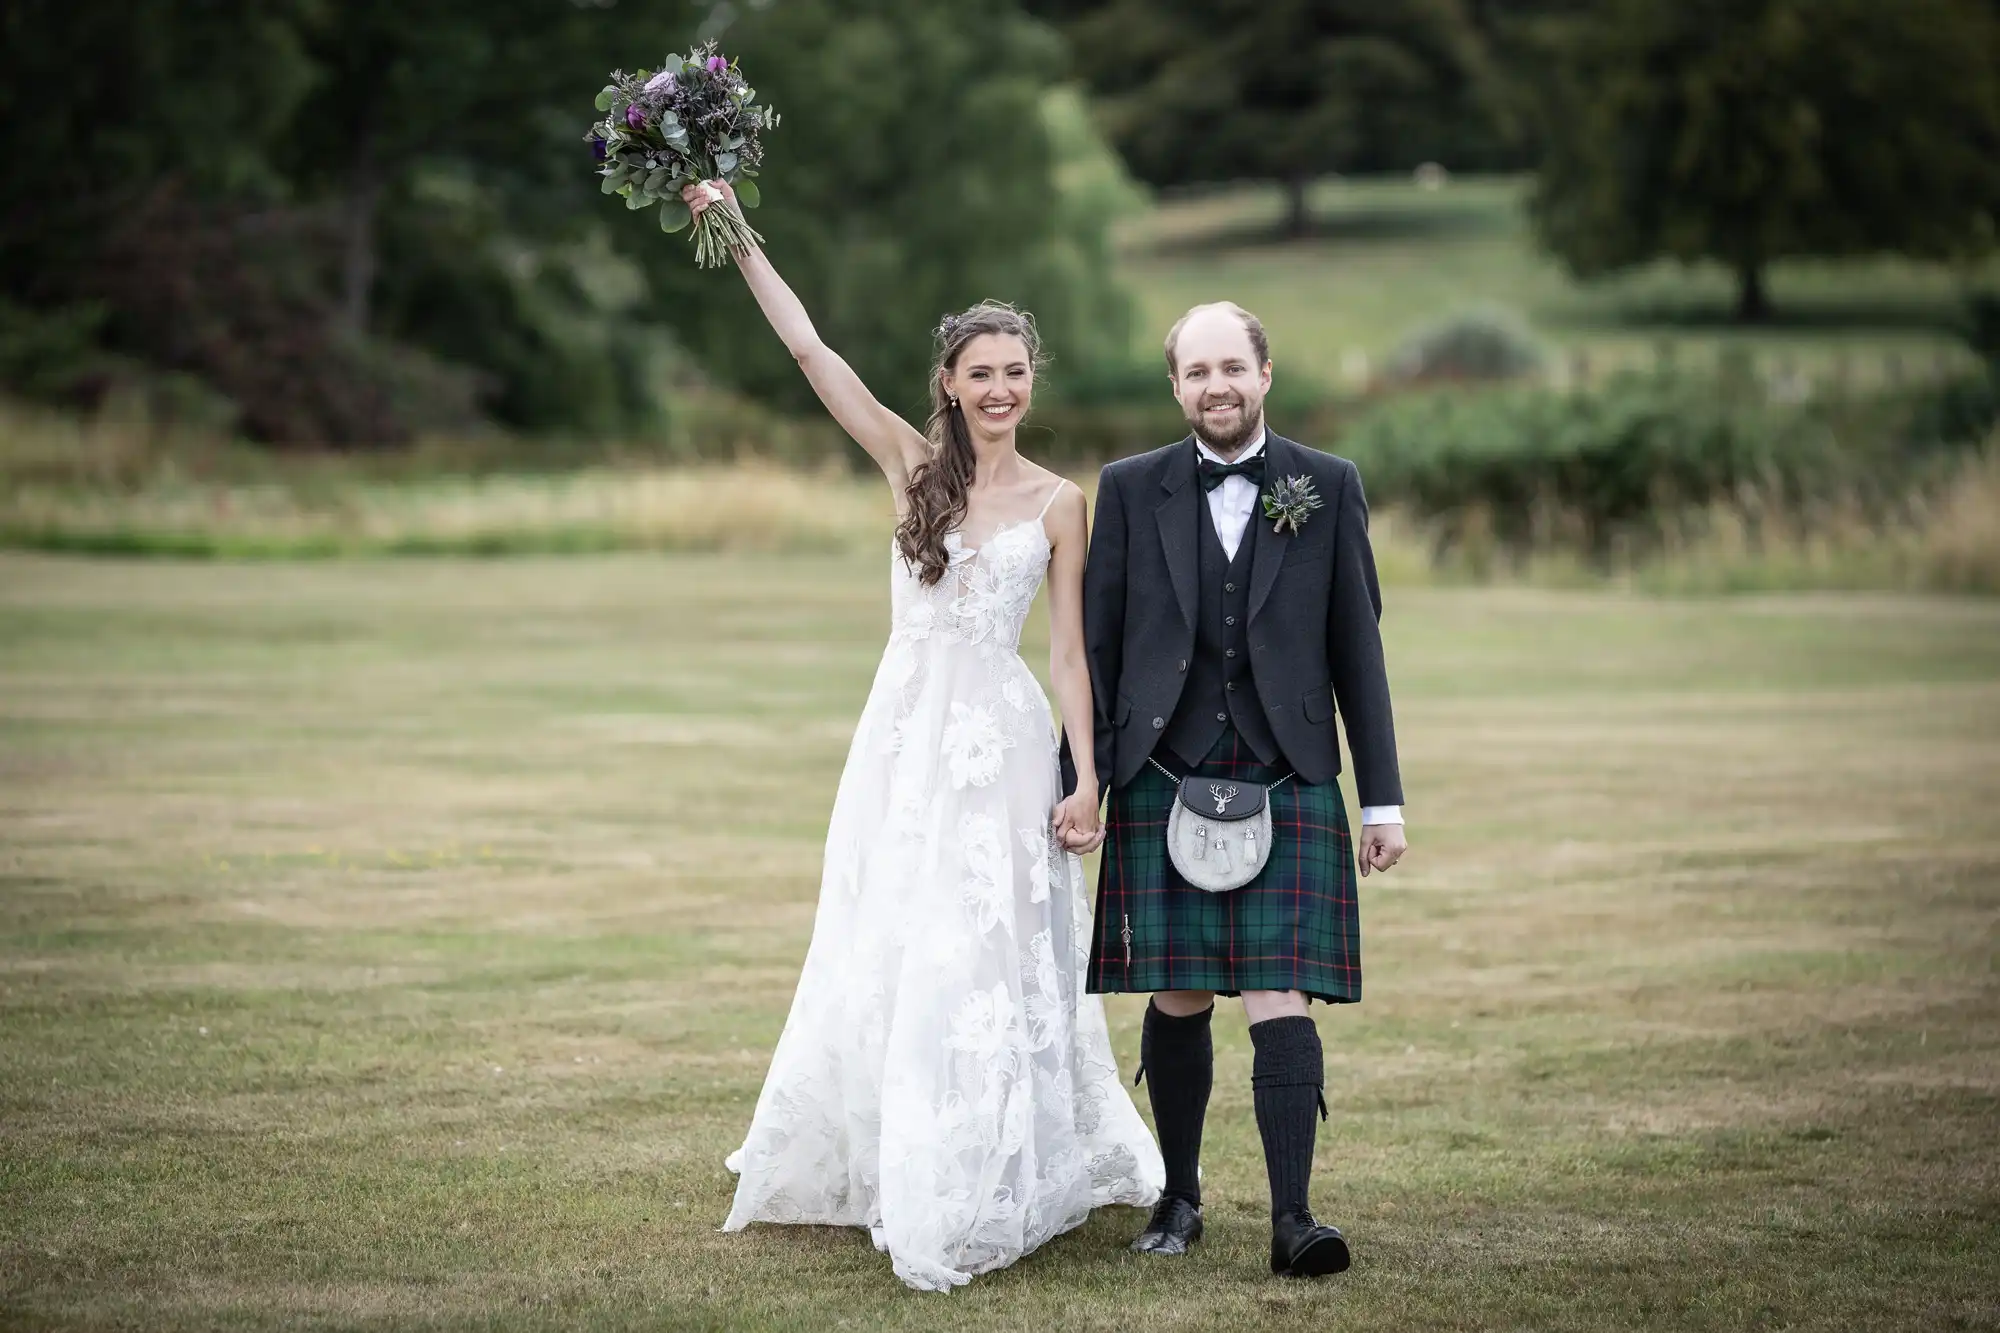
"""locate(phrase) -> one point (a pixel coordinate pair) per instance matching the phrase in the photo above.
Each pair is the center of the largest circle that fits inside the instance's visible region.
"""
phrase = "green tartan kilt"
(1294, 927)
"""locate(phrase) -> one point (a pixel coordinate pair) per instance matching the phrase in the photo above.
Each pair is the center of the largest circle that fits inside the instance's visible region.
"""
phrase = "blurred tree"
(397, 80)
(1284, 90)
(99, 103)
(101, 108)
(1746, 131)
(281, 197)
(448, 134)
(354, 219)
(1517, 35)
(915, 172)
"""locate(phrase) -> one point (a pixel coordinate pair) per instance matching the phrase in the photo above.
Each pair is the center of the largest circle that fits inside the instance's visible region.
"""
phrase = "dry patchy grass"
(401, 944)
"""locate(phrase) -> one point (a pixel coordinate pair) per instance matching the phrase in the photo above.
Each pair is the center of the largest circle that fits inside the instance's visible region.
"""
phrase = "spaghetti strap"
(1052, 499)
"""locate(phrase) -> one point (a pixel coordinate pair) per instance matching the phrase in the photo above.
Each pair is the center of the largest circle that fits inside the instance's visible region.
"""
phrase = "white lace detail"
(943, 1079)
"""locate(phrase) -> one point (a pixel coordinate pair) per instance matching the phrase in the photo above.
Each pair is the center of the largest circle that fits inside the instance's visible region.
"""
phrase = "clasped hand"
(1077, 826)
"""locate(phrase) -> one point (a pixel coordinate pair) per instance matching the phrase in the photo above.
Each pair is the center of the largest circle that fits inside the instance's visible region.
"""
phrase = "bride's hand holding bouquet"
(700, 196)
(691, 120)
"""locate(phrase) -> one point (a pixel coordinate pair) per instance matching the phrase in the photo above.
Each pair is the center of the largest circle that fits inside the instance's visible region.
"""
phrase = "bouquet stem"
(719, 231)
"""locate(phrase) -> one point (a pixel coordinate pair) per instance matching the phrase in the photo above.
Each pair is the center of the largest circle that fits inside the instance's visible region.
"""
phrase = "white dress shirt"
(1231, 505)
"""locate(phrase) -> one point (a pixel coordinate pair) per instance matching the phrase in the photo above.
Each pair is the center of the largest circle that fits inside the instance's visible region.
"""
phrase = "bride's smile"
(994, 382)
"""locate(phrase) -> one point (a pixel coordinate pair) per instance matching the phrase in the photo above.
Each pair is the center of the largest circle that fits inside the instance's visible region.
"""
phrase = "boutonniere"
(1290, 502)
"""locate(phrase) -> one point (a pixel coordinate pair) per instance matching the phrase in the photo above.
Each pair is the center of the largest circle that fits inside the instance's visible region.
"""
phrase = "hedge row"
(1618, 467)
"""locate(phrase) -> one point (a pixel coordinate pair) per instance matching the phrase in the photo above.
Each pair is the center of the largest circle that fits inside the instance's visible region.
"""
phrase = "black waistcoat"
(1220, 691)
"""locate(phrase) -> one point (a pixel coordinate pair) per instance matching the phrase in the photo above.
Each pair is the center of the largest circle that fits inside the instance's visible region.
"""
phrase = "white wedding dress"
(943, 1079)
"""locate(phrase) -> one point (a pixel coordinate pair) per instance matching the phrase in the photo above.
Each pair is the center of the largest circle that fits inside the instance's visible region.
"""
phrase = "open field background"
(1388, 257)
(400, 944)
(724, 473)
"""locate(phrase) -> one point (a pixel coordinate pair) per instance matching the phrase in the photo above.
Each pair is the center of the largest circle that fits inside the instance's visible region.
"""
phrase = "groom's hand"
(1382, 845)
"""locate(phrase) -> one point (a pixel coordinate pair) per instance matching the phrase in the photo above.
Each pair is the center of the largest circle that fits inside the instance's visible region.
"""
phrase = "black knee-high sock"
(1285, 1082)
(1179, 1060)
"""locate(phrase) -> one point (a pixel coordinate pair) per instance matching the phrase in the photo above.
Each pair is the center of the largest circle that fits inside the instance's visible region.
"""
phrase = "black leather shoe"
(1174, 1227)
(1301, 1247)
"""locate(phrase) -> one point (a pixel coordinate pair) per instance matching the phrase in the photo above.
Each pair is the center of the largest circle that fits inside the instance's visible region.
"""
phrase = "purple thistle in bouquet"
(690, 120)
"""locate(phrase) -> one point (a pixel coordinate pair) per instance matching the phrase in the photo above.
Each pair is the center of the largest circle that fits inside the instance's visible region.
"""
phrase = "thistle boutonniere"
(1290, 503)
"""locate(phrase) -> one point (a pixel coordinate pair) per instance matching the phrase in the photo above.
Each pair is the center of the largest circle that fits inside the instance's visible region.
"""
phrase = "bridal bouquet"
(691, 120)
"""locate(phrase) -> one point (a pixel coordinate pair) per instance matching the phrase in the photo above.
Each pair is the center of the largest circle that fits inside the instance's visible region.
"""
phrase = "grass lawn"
(1389, 257)
(400, 944)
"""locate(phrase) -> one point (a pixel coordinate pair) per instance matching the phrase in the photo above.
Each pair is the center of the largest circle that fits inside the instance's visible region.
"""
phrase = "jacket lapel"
(1271, 546)
(1177, 515)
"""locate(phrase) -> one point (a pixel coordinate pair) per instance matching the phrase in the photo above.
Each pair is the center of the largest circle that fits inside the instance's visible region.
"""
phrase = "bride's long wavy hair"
(937, 491)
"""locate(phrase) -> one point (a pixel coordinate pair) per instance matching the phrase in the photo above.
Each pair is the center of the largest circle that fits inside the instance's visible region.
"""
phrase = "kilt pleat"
(1296, 926)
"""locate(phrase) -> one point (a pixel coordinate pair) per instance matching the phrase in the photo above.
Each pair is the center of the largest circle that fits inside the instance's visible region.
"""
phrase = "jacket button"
(1229, 652)
(1222, 717)
(1229, 620)
(1231, 687)
(1184, 664)
(1229, 587)
(1158, 723)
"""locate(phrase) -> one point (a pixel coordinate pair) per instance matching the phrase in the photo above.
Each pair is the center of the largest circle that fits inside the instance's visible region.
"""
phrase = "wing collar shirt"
(1231, 506)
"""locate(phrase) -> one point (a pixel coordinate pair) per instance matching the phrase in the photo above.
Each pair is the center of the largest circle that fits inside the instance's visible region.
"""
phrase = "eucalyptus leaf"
(674, 214)
(725, 162)
(604, 98)
(612, 181)
(747, 193)
(660, 179)
(636, 200)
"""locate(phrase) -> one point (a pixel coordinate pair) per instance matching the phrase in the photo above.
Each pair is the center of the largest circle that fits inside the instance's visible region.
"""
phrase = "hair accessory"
(947, 326)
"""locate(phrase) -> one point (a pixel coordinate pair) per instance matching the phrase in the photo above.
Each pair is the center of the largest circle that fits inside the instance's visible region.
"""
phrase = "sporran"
(1219, 831)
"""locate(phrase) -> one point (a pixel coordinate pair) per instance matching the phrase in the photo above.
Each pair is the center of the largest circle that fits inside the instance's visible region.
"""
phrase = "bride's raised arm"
(892, 442)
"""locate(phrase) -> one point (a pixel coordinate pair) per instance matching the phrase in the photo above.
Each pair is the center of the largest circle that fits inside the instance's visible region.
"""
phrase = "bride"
(943, 1079)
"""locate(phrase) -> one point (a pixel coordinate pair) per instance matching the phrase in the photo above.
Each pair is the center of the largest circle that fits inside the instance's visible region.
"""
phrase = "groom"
(1220, 646)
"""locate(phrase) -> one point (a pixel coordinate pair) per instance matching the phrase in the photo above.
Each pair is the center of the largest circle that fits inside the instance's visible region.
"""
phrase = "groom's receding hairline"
(1252, 325)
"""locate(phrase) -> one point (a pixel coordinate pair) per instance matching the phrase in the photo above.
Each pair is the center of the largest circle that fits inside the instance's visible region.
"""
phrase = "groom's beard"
(1226, 440)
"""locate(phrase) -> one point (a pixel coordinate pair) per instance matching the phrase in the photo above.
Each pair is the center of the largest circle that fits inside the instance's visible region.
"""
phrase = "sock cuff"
(1288, 1053)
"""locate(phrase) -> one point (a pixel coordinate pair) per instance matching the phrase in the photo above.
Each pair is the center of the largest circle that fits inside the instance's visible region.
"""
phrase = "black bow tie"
(1212, 472)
